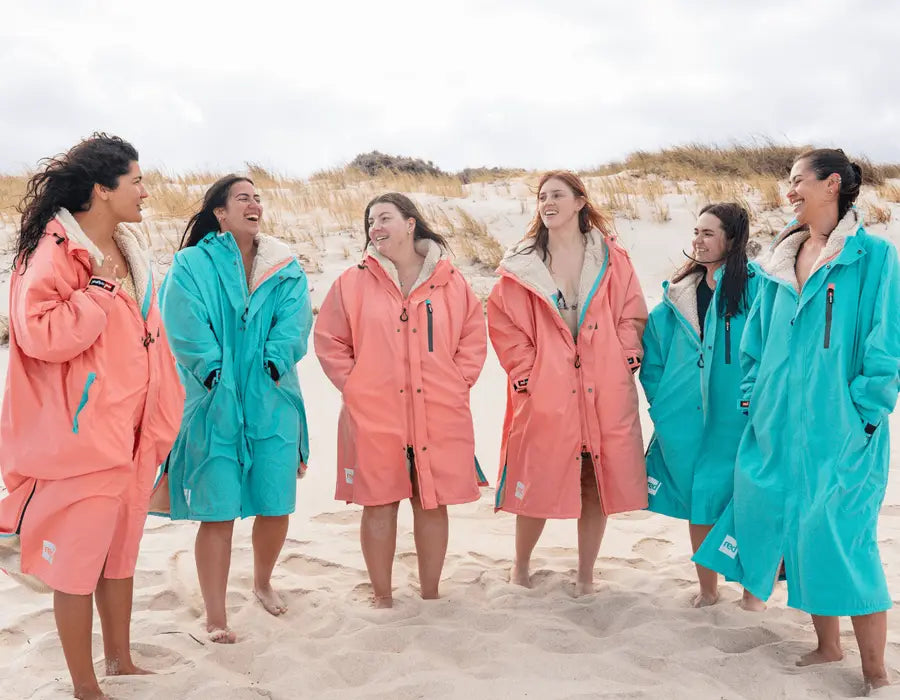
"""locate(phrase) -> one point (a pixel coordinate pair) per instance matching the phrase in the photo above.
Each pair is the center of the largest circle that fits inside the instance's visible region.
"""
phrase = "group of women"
(769, 387)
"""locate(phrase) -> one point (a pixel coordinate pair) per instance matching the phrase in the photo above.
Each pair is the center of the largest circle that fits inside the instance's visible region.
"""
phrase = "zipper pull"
(404, 316)
(577, 361)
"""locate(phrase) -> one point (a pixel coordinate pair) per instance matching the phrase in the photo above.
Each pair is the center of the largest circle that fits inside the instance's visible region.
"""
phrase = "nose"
(144, 192)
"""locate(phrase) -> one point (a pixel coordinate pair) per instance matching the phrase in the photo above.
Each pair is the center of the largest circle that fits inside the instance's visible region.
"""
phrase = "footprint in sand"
(738, 641)
(891, 511)
(153, 657)
(307, 565)
(652, 548)
(347, 517)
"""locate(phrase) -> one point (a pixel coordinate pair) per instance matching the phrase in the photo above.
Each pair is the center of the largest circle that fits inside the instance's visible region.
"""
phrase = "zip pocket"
(430, 312)
(84, 399)
(728, 340)
(829, 304)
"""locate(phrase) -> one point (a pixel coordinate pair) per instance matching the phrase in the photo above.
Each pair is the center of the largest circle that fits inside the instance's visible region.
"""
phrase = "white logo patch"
(729, 547)
(520, 490)
(48, 551)
(348, 475)
(652, 485)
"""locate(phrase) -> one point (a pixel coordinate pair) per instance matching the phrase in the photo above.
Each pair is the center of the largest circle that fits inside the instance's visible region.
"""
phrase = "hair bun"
(858, 172)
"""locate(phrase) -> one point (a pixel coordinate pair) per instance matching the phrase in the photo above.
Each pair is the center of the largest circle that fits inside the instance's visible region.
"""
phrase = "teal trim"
(590, 296)
(482, 479)
(148, 297)
(84, 399)
(498, 496)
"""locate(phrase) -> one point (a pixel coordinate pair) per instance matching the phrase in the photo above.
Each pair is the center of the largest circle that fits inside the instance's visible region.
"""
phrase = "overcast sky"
(300, 86)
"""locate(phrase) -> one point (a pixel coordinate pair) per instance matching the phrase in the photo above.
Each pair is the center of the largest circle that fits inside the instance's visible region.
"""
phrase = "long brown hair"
(408, 210)
(588, 217)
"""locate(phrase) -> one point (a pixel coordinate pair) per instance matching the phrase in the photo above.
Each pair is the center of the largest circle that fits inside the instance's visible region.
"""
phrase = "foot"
(877, 681)
(383, 601)
(221, 635)
(429, 595)
(584, 588)
(520, 577)
(117, 667)
(89, 692)
(820, 656)
(751, 603)
(704, 599)
(271, 600)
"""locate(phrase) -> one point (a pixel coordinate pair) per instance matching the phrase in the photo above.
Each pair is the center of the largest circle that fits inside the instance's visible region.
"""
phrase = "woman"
(691, 377)
(821, 352)
(401, 335)
(237, 308)
(566, 319)
(92, 400)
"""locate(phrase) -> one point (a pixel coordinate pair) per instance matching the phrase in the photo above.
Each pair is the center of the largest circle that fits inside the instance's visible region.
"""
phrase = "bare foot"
(383, 601)
(90, 692)
(271, 600)
(702, 599)
(519, 577)
(584, 588)
(751, 603)
(221, 635)
(876, 682)
(820, 656)
(115, 667)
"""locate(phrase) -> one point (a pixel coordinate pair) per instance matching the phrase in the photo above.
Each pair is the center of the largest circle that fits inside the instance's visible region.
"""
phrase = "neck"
(97, 225)
(711, 274)
(245, 243)
(568, 236)
(407, 258)
(821, 226)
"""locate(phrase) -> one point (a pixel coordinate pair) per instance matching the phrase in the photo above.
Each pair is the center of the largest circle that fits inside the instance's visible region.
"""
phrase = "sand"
(636, 637)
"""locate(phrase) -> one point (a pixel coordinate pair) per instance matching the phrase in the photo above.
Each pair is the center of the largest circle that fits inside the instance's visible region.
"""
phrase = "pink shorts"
(75, 530)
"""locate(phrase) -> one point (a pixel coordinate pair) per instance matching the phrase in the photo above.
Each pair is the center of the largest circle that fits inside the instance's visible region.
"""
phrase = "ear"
(100, 192)
(581, 201)
(219, 213)
(412, 224)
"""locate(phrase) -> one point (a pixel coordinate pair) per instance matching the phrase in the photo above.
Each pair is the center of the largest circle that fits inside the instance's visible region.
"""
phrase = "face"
(810, 196)
(710, 244)
(242, 211)
(558, 205)
(389, 231)
(126, 200)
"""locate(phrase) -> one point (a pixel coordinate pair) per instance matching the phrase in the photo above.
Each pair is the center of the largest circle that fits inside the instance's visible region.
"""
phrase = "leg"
(751, 603)
(871, 635)
(591, 526)
(74, 614)
(114, 598)
(212, 550)
(269, 533)
(709, 579)
(378, 537)
(528, 532)
(431, 530)
(828, 633)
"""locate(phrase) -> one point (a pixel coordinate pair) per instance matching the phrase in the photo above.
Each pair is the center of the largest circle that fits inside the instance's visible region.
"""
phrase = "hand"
(108, 269)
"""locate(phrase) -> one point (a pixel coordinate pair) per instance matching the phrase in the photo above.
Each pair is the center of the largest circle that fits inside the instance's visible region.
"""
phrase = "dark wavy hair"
(829, 161)
(736, 224)
(589, 216)
(408, 210)
(205, 221)
(67, 181)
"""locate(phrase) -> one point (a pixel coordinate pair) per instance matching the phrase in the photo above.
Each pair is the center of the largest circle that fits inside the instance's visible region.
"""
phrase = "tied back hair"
(66, 181)
(735, 222)
(829, 161)
(205, 221)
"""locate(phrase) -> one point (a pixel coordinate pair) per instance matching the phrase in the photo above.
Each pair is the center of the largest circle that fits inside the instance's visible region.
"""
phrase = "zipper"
(430, 325)
(829, 304)
(728, 340)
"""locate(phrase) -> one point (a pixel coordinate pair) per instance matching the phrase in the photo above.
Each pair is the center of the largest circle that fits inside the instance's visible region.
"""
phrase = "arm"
(333, 338)
(874, 391)
(654, 360)
(631, 319)
(289, 335)
(512, 341)
(51, 325)
(188, 325)
(472, 348)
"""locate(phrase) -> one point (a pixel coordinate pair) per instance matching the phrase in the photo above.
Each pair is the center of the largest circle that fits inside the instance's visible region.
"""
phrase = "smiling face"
(125, 201)
(389, 231)
(558, 205)
(809, 196)
(242, 211)
(710, 244)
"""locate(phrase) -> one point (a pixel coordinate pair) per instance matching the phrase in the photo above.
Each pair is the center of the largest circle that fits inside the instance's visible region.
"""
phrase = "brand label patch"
(48, 551)
(520, 490)
(729, 547)
(652, 485)
(348, 475)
